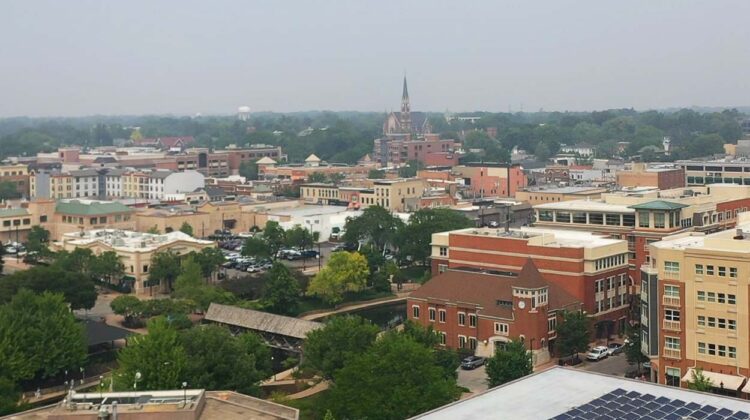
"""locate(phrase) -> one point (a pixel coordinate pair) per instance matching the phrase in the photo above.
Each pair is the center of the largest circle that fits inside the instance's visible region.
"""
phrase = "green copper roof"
(658, 205)
(90, 209)
(13, 212)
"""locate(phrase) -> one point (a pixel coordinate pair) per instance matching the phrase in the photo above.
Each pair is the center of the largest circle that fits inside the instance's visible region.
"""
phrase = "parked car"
(597, 353)
(310, 253)
(614, 348)
(253, 268)
(292, 255)
(472, 362)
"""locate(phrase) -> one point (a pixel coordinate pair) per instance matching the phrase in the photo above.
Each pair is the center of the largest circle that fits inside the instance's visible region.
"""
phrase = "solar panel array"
(621, 404)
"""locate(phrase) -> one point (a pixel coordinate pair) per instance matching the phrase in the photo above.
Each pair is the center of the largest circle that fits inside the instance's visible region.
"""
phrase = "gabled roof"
(658, 205)
(94, 208)
(312, 158)
(267, 161)
(485, 290)
(260, 321)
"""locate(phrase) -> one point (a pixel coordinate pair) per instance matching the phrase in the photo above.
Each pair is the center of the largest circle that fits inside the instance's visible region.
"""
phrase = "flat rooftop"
(568, 190)
(570, 393)
(552, 237)
(308, 210)
(725, 241)
(129, 240)
(585, 205)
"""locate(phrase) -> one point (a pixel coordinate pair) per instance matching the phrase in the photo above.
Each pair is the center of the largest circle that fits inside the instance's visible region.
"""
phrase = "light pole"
(101, 387)
(184, 393)
(135, 381)
(83, 374)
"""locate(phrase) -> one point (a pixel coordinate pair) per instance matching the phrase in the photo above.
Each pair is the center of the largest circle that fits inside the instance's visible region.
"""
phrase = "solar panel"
(632, 405)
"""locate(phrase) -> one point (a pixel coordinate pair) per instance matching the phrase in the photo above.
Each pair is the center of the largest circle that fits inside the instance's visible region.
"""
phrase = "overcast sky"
(67, 58)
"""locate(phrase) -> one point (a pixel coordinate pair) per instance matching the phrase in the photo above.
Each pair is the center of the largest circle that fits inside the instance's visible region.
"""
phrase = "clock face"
(521, 304)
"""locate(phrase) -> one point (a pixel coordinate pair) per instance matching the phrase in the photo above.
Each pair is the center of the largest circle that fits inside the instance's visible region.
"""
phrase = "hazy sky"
(146, 56)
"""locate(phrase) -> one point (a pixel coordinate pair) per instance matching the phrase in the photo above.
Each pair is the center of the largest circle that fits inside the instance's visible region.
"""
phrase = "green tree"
(446, 358)
(210, 259)
(414, 238)
(186, 228)
(336, 178)
(220, 360)
(376, 174)
(317, 177)
(573, 334)
(700, 382)
(411, 169)
(509, 363)
(396, 378)
(249, 170)
(189, 285)
(375, 225)
(165, 267)
(256, 247)
(282, 291)
(345, 272)
(8, 190)
(80, 260)
(107, 266)
(79, 291)
(39, 337)
(37, 241)
(9, 397)
(633, 348)
(158, 356)
(299, 237)
(328, 349)
(266, 245)
(153, 230)
(127, 306)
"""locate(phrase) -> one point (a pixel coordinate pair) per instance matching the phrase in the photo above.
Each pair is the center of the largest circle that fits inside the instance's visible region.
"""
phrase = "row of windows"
(19, 222)
(717, 350)
(611, 219)
(713, 322)
(710, 270)
(714, 297)
(610, 283)
(613, 261)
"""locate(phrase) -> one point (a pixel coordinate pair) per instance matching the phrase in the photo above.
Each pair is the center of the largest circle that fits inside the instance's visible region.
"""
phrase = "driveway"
(475, 380)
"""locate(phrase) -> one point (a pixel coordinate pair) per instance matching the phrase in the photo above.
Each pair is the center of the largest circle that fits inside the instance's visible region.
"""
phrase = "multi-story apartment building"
(430, 150)
(591, 268)
(482, 311)
(85, 183)
(52, 184)
(695, 309)
(643, 216)
(17, 174)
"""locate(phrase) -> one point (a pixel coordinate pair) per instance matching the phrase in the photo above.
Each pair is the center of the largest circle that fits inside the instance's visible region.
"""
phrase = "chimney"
(738, 234)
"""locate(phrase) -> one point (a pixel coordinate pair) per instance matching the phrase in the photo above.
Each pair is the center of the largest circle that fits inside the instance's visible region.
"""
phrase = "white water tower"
(243, 113)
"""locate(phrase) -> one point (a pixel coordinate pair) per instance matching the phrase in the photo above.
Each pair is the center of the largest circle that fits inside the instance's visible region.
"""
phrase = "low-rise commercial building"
(18, 175)
(135, 250)
(705, 172)
(591, 268)
(389, 193)
(663, 177)
(535, 196)
(482, 311)
(491, 179)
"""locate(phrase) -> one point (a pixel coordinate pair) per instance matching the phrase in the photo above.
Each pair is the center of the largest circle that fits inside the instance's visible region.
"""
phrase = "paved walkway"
(349, 308)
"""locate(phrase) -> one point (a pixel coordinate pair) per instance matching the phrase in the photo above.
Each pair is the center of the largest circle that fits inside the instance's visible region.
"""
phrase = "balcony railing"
(671, 301)
(672, 325)
(672, 353)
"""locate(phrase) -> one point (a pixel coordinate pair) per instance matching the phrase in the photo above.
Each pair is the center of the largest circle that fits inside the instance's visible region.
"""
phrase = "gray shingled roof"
(260, 321)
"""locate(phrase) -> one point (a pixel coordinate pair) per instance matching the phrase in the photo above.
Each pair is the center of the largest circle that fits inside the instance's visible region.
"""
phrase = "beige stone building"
(389, 193)
(695, 309)
(135, 250)
(536, 196)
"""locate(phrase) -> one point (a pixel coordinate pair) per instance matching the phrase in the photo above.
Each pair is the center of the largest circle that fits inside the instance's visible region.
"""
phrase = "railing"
(672, 325)
(671, 301)
(672, 353)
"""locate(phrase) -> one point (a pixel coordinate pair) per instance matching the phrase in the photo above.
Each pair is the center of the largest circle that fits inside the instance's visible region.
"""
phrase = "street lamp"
(137, 378)
(184, 393)
(101, 387)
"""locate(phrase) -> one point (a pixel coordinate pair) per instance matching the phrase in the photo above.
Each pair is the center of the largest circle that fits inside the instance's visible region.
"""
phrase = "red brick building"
(591, 268)
(481, 311)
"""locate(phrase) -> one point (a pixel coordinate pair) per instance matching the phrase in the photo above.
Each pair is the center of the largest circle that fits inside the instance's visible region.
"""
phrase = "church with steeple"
(406, 123)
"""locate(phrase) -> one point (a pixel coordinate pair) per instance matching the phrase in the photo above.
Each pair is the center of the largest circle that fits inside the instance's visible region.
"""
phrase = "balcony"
(672, 353)
(644, 319)
(671, 301)
(671, 325)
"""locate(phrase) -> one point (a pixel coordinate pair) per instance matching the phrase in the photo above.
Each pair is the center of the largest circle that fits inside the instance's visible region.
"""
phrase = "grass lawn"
(312, 407)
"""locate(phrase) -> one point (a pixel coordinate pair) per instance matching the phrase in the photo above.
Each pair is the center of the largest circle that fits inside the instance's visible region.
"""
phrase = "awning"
(718, 380)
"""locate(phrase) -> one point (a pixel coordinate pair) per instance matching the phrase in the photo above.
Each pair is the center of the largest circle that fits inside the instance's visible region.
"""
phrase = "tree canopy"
(344, 272)
(376, 225)
(414, 238)
(281, 292)
(328, 349)
(573, 333)
(510, 362)
(77, 289)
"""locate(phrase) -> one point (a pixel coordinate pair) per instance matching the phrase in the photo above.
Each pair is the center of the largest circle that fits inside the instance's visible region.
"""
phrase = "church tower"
(405, 117)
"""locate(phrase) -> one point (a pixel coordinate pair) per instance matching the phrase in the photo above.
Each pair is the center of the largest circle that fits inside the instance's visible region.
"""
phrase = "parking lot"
(616, 365)
(306, 264)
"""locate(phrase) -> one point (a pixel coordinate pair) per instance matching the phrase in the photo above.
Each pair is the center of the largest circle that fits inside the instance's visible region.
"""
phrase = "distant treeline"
(347, 136)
